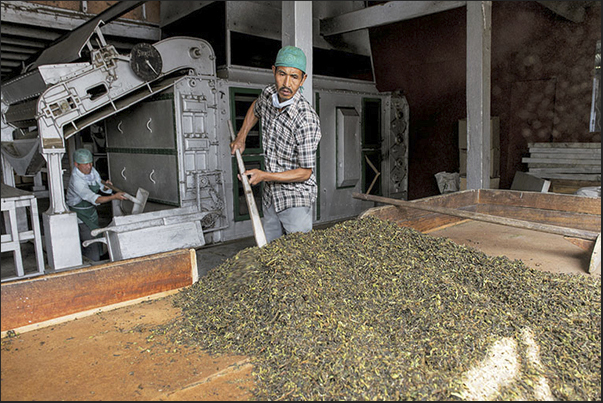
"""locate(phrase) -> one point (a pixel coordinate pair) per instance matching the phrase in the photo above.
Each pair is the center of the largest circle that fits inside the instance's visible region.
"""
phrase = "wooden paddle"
(256, 223)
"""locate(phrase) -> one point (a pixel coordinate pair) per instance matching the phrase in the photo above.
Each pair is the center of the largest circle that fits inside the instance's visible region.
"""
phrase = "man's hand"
(255, 176)
(119, 196)
(237, 145)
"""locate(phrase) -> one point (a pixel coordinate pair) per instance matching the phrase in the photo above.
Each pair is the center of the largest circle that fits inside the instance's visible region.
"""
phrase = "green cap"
(82, 156)
(290, 56)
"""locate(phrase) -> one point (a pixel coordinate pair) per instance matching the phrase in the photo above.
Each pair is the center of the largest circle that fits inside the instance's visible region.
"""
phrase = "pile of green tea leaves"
(368, 310)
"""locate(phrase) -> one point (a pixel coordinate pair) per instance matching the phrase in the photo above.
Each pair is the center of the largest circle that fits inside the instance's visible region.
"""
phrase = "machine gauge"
(145, 61)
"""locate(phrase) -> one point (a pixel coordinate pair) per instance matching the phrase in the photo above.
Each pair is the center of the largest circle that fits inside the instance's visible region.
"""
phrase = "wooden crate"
(64, 295)
(547, 208)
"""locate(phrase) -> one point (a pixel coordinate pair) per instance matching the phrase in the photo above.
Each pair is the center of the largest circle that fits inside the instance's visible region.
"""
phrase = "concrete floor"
(212, 256)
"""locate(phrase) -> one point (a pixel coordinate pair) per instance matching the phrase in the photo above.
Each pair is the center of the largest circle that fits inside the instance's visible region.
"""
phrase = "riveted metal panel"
(157, 173)
(146, 125)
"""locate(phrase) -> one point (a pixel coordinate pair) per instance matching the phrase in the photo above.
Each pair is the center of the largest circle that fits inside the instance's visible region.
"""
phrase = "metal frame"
(14, 203)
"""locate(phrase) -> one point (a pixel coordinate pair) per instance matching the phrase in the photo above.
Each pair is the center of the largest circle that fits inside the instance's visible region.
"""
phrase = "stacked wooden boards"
(572, 161)
(569, 166)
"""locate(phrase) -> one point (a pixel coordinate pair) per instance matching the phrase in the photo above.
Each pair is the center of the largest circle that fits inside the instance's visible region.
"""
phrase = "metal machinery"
(162, 112)
(52, 103)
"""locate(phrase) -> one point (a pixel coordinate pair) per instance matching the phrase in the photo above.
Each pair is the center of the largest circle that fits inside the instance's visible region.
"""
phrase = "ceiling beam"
(383, 14)
(12, 64)
(23, 43)
(8, 55)
(16, 49)
(34, 15)
(29, 32)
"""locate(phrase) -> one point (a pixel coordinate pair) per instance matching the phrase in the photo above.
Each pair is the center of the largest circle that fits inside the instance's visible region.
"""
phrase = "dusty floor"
(111, 355)
(115, 355)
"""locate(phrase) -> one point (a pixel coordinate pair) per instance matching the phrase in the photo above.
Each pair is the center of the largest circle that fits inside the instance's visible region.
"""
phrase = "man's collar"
(293, 106)
(83, 175)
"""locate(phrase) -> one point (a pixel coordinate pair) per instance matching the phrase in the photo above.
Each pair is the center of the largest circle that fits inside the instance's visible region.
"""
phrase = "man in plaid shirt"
(290, 136)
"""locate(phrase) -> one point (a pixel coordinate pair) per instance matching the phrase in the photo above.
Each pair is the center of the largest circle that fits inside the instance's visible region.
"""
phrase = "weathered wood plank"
(554, 165)
(412, 218)
(585, 169)
(589, 222)
(553, 229)
(582, 177)
(594, 154)
(561, 151)
(39, 299)
(422, 220)
(582, 243)
(558, 160)
(547, 201)
(564, 145)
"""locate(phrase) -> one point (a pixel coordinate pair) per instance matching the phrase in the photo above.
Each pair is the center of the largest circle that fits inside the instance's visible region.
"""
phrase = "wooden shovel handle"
(256, 223)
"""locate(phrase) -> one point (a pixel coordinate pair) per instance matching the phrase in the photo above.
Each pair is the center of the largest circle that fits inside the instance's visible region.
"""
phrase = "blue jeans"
(294, 219)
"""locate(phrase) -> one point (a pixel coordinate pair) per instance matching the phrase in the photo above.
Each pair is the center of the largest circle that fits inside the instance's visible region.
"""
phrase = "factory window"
(240, 101)
(371, 146)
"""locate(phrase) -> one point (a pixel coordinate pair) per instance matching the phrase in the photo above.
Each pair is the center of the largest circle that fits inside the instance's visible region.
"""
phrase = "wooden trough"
(57, 297)
(578, 214)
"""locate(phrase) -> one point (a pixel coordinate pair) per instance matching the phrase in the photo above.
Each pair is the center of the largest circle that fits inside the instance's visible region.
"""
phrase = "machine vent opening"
(97, 91)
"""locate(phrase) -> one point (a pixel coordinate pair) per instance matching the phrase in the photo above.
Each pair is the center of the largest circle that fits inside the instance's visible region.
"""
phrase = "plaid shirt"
(290, 138)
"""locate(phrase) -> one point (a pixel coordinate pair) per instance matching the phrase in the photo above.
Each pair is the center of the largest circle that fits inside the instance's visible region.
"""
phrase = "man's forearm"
(295, 175)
